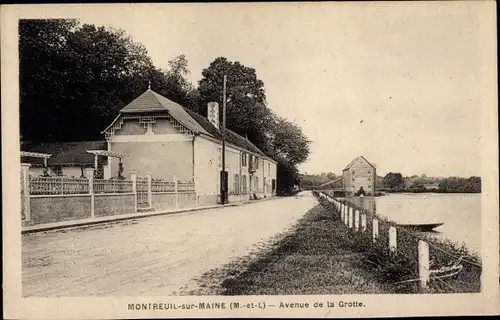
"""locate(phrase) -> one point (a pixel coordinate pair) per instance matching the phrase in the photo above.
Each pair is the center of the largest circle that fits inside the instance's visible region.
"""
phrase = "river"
(460, 213)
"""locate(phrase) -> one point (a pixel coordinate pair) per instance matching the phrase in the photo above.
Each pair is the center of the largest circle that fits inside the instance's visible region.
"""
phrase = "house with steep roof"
(68, 159)
(359, 176)
(169, 141)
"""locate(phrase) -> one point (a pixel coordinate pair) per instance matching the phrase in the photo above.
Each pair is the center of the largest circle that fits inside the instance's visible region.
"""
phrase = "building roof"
(151, 101)
(354, 161)
(64, 153)
(231, 136)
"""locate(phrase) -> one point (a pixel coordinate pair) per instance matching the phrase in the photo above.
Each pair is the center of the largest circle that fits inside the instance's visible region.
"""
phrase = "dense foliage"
(75, 78)
(393, 180)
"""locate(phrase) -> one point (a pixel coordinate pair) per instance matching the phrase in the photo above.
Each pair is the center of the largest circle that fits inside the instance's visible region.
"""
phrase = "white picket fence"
(111, 186)
(58, 185)
(141, 188)
(63, 185)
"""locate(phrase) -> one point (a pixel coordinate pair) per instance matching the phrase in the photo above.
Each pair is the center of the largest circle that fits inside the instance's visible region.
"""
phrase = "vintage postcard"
(320, 159)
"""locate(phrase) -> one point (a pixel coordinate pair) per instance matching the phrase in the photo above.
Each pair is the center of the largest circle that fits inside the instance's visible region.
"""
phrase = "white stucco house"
(169, 141)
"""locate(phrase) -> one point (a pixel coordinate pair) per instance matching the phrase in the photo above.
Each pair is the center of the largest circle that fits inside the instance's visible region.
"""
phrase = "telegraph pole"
(223, 177)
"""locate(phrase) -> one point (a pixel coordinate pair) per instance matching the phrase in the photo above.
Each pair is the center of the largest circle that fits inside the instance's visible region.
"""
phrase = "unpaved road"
(151, 256)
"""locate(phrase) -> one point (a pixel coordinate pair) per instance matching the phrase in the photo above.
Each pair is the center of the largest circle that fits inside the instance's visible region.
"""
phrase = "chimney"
(213, 114)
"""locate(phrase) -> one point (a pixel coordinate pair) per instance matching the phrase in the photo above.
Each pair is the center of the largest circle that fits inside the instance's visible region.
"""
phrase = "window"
(268, 169)
(256, 163)
(220, 157)
(244, 159)
(257, 188)
(57, 171)
(236, 184)
(243, 186)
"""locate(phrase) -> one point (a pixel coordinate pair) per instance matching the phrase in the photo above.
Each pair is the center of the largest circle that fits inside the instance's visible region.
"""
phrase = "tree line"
(74, 79)
(395, 182)
(314, 181)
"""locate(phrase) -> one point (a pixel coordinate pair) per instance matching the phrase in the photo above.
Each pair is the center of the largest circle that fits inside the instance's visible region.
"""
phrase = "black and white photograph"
(333, 159)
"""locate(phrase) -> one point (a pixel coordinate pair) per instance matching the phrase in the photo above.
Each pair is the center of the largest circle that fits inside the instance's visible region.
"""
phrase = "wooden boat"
(422, 226)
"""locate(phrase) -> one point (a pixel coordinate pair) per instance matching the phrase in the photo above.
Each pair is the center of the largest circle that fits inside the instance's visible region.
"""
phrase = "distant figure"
(361, 192)
(45, 172)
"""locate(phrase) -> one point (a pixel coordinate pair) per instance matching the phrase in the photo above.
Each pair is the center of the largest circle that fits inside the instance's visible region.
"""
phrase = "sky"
(399, 84)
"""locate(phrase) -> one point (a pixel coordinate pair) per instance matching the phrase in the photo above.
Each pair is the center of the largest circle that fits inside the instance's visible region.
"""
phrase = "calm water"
(460, 213)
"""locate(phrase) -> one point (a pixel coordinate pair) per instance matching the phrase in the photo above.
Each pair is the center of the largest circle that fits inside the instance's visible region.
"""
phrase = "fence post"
(341, 211)
(423, 263)
(375, 229)
(346, 214)
(133, 177)
(176, 186)
(25, 196)
(349, 210)
(363, 222)
(356, 220)
(150, 194)
(393, 243)
(89, 172)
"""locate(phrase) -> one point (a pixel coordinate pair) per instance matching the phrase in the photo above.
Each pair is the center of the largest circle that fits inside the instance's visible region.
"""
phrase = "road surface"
(152, 256)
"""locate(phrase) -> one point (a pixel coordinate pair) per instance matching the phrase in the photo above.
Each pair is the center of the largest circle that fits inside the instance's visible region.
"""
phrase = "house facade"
(164, 139)
(359, 175)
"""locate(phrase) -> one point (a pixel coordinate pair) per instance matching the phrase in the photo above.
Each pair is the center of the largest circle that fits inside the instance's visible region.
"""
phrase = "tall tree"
(288, 142)
(74, 78)
(393, 180)
(173, 83)
(246, 111)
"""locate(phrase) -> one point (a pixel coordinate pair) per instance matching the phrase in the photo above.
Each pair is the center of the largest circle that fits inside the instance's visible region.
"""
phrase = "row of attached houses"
(157, 136)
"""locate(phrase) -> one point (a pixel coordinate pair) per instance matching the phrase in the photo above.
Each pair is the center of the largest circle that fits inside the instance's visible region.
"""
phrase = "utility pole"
(223, 177)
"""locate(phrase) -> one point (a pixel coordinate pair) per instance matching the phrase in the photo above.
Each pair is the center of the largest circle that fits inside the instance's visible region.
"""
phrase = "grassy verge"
(322, 256)
(401, 269)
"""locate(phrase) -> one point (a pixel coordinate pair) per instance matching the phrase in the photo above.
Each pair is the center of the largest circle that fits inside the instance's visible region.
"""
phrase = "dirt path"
(153, 256)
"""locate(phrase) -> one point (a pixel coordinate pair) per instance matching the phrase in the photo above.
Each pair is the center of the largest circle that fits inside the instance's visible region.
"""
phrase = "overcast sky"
(398, 84)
